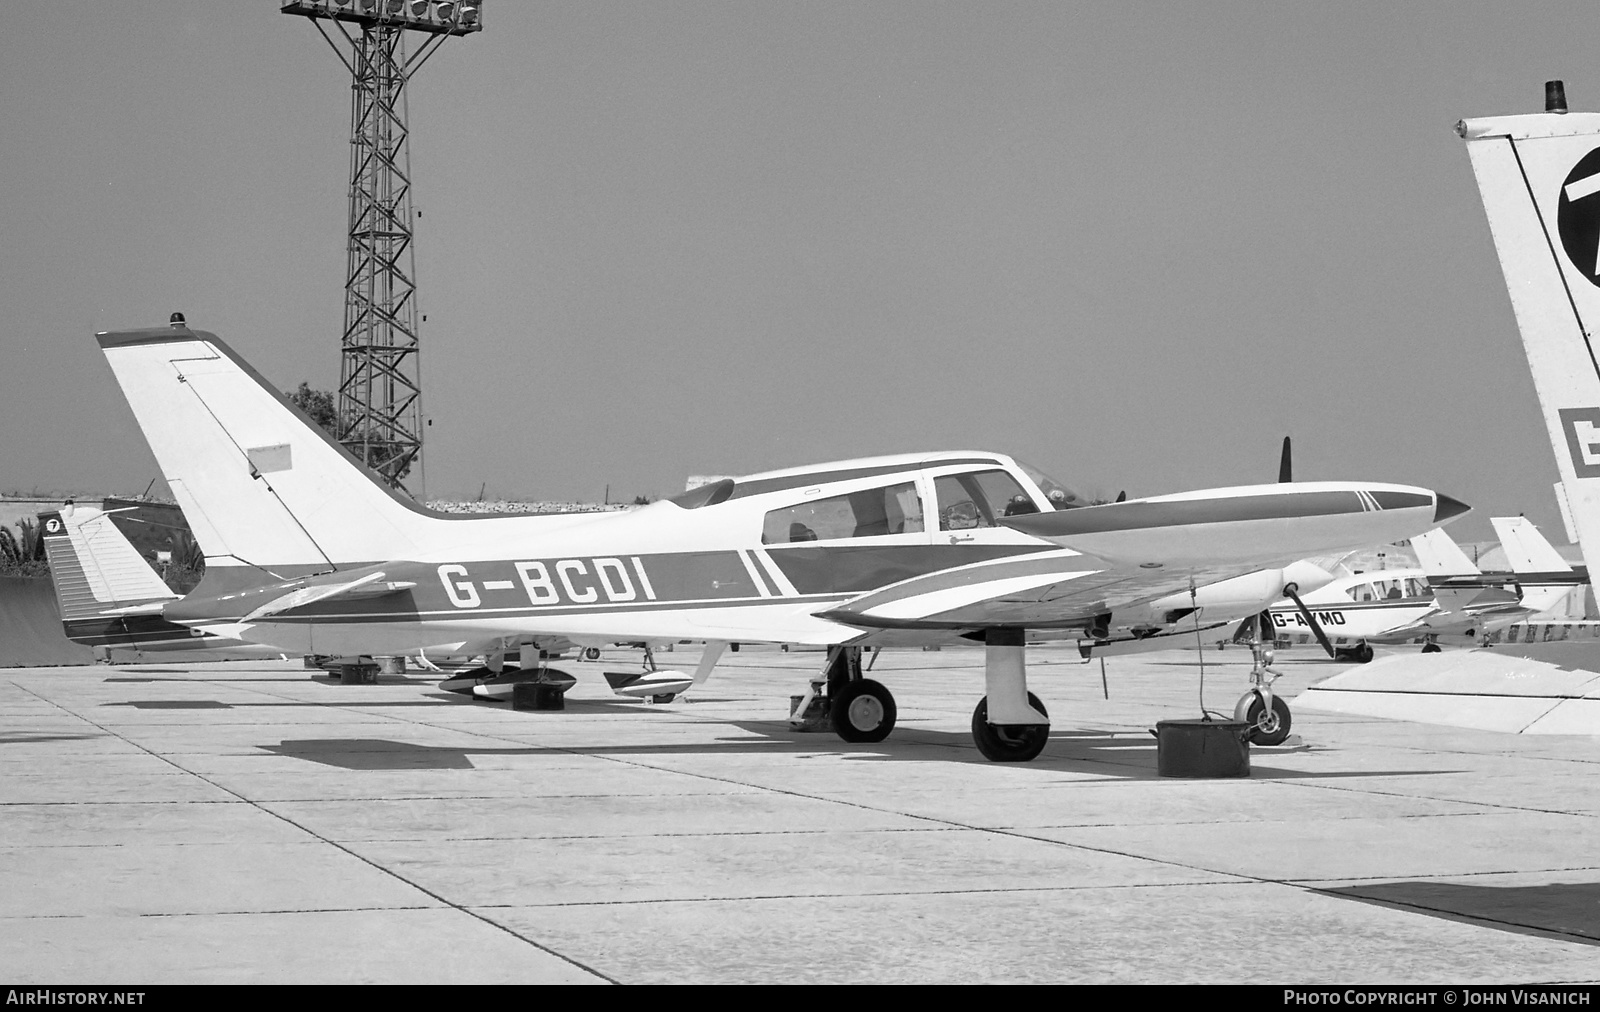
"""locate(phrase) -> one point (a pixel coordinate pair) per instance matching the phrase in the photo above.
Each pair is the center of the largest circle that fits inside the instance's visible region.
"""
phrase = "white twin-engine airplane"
(1446, 600)
(307, 552)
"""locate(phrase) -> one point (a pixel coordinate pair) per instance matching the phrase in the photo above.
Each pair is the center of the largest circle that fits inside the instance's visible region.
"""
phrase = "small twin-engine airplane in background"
(1472, 602)
(307, 552)
(1444, 601)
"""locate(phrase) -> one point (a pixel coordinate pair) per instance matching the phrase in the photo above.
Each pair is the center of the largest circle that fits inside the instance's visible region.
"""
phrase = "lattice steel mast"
(380, 375)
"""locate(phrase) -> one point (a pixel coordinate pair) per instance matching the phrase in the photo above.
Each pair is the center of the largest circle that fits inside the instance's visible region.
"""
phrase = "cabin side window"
(977, 499)
(873, 512)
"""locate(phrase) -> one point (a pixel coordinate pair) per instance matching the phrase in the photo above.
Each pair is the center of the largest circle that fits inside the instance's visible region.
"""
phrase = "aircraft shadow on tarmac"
(202, 680)
(926, 746)
(25, 738)
(1566, 911)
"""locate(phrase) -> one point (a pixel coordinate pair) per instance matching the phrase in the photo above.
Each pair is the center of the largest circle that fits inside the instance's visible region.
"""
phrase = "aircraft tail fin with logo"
(96, 571)
(1539, 176)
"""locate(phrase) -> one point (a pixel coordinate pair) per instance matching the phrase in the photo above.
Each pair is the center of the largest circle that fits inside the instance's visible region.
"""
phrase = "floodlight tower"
(380, 374)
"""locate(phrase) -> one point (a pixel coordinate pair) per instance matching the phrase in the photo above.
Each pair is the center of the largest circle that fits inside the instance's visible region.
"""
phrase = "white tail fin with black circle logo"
(1539, 176)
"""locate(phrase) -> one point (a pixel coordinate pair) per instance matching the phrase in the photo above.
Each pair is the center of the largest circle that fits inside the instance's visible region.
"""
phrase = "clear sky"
(1133, 243)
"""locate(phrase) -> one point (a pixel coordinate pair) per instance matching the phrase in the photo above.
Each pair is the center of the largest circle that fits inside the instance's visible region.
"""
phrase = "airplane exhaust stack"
(1555, 96)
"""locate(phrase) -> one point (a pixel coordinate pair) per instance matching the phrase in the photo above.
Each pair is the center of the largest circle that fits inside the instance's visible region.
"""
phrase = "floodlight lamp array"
(438, 17)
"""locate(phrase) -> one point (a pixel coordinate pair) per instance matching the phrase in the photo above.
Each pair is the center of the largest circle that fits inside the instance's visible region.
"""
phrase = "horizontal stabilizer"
(369, 586)
(1492, 690)
(96, 570)
(149, 608)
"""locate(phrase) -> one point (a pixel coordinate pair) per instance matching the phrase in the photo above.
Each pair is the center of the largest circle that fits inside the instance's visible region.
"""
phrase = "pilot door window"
(873, 512)
(974, 500)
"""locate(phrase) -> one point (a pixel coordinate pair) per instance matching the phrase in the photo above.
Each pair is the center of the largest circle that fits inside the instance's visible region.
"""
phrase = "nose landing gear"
(1267, 714)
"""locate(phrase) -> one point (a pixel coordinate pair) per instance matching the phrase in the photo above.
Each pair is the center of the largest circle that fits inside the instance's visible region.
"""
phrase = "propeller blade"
(1285, 470)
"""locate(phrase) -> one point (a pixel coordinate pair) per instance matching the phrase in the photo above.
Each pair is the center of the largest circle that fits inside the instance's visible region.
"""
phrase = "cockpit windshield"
(1060, 496)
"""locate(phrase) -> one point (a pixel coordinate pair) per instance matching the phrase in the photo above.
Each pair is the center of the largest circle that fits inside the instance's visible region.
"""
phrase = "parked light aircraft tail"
(306, 551)
(1539, 176)
(1438, 555)
(1545, 578)
(1526, 549)
(108, 595)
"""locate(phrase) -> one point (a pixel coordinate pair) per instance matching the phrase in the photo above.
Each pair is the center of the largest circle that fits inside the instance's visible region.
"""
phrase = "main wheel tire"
(1268, 728)
(1364, 653)
(1432, 648)
(1009, 743)
(862, 711)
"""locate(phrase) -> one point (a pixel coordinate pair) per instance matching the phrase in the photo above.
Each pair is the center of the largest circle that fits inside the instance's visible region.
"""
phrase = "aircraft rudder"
(261, 483)
(1527, 550)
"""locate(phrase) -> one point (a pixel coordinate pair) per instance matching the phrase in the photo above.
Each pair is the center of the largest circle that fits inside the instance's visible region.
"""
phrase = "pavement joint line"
(347, 850)
(1310, 883)
(1228, 877)
(860, 895)
(813, 797)
(880, 810)
(1497, 806)
(288, 910)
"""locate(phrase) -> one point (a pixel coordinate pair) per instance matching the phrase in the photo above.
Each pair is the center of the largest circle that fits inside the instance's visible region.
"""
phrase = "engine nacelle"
(1242, 595)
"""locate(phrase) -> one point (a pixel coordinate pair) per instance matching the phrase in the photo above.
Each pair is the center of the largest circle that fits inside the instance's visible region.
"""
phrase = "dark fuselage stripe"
(303, 616)
(1144, 515)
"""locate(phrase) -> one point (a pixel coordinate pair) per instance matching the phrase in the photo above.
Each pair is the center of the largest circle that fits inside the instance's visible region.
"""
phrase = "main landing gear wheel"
(1361, 654)
(1268, 727)
(862, 711)
(1432, 648)
(1009, 743)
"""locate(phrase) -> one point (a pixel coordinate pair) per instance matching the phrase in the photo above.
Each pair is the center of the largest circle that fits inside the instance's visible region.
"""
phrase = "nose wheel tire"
(1009, 743)
(1268, 727)
(862, 710)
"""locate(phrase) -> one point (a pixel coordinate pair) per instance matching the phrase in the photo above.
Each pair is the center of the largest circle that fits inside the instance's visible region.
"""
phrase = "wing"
(1154, 559)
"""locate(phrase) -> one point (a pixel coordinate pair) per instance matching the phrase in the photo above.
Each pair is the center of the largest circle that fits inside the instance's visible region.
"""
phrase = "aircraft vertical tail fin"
(1527, 551)
(1539, 176)
(259, 483)
(97, 571)
(1439, 555)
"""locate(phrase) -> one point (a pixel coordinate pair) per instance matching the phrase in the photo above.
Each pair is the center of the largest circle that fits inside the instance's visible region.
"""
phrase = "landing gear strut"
(857, 709)
(1010, 724)
(1267, 714)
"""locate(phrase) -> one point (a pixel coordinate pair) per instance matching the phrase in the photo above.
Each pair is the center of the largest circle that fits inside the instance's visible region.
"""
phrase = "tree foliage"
(318, 406)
